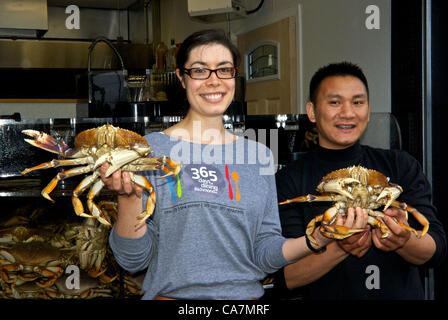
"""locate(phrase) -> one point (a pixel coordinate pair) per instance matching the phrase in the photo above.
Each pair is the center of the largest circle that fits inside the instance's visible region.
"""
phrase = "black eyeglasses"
(205, 73)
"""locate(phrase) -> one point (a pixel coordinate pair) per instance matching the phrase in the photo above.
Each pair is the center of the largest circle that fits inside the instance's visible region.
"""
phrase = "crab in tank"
(354, 187)
(122, 149)
(34, 261)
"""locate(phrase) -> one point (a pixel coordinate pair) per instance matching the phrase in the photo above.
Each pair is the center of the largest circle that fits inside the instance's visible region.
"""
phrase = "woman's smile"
(214, 97)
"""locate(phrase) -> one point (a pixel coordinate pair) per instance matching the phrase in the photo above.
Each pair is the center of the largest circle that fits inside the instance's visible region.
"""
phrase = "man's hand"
(398, 235)
(357, 244)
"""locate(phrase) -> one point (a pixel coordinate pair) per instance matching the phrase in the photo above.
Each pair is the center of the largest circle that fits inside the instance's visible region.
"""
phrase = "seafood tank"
(46, 250)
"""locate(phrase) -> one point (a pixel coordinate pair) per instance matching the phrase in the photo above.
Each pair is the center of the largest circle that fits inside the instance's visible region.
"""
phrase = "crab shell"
(365, 176)
(101, 136)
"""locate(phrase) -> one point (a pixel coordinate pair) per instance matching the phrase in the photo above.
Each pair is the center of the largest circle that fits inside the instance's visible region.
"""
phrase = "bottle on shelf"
(171, 57)
(161, 51)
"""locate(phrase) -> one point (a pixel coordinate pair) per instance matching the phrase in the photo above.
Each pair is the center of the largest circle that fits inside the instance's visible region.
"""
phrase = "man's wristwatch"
(310, 246)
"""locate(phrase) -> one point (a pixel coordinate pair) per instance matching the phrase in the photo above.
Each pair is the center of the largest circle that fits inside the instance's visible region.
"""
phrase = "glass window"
(262, 62)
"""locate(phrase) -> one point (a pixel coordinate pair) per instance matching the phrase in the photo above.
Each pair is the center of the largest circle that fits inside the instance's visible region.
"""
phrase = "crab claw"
(46, 142)
(117, 159)
(173, 169)
(338, 186)
(388, 195)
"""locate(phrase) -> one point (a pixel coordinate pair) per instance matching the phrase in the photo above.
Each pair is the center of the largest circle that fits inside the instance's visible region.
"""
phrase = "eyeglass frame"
(188, 72)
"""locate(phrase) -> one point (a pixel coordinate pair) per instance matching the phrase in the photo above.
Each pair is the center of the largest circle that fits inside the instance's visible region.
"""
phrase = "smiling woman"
(220, 236)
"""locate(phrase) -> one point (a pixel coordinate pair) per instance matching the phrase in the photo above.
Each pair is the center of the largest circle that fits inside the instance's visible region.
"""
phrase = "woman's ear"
(310, 112)
(181, 78)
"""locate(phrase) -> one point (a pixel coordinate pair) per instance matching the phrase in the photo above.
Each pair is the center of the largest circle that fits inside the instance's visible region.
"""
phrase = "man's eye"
(334, 102)
(359, 102)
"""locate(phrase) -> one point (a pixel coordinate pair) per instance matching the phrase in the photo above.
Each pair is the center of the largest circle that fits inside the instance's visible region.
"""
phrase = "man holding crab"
(364, 265)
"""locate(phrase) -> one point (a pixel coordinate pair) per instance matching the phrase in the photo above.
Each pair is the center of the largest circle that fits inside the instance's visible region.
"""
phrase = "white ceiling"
(104, 4)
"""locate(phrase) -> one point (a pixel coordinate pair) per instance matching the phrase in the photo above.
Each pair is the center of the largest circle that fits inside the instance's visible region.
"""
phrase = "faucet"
(92, 46)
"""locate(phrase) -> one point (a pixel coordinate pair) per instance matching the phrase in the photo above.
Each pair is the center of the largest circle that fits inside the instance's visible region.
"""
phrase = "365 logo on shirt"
(204, 180)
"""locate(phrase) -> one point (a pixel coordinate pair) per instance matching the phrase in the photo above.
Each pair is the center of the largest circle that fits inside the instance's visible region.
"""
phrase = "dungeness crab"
(122, 149)
(31, 261)
(357, 187)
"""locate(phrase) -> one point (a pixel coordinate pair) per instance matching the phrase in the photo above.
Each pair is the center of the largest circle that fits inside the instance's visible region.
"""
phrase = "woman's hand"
(129, 202)
(120, 182)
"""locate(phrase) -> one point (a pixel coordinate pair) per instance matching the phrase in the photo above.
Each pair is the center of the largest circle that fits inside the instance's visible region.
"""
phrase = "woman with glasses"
(215, 231)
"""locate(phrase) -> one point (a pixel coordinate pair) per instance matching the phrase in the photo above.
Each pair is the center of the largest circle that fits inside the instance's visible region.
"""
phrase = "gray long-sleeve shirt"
(211, 236)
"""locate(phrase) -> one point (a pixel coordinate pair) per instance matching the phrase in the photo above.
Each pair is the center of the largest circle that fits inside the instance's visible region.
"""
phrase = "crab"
(44, 233)
(122, 149)
(353, 187)
(91, 248)
(32, 261)
(132, 284)
(27, 290)
(89, 288)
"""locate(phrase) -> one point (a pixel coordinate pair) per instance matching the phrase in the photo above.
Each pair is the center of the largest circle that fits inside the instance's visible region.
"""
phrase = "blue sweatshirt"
(213, 235)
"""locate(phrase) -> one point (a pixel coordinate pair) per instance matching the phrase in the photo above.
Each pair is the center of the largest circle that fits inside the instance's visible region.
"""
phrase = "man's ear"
(368, 119)
(181, 78)
(310, 112)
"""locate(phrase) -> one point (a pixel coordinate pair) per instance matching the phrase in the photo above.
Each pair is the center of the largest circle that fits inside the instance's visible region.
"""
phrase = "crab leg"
(62, 175)
(47, 283)
(420, 218)
(141, 167)
(104, 278)
(175, 168)
(93, 208)
(144, 164)
(312, 198)
(338, 232)
(150, 204)
(417, 215)
(328, 229)
(379, 214)
(96, 188)
(311, 227)
(169, 166)
(58, 163)
(374, 222)
(8, 277)
(95, 273)
(332, 231)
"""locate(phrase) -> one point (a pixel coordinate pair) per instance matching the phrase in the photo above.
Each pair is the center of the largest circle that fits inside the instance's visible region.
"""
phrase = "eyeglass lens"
(204, 73)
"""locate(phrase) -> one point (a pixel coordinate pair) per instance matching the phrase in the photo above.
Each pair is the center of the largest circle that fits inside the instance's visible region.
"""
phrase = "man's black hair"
(335, 69)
